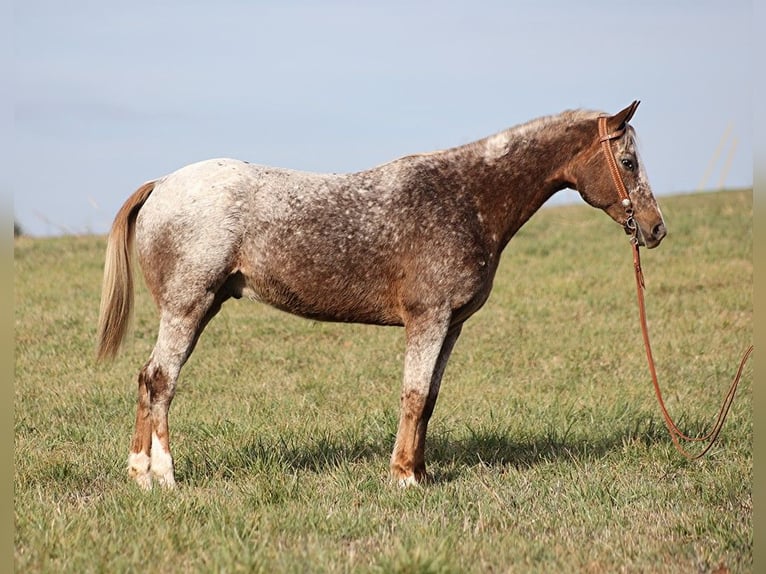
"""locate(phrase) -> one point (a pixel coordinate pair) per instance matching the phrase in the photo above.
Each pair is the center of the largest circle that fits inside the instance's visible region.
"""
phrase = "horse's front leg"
(429, 343)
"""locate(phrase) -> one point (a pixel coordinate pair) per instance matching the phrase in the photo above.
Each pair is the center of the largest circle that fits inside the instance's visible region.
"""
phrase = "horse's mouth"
(651, 244)
(648, 240)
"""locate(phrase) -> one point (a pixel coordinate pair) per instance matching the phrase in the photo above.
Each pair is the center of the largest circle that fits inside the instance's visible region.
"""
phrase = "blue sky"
(109, 95)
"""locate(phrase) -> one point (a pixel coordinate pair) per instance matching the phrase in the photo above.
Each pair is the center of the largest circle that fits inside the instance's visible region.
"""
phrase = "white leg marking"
(138, 469)
(408, 481)
(162, 464)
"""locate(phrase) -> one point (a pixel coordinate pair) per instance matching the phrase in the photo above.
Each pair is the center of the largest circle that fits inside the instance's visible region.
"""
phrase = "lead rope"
(675, 433)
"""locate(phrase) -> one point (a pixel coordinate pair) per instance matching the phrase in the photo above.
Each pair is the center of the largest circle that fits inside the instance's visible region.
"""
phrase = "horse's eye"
(627, 164)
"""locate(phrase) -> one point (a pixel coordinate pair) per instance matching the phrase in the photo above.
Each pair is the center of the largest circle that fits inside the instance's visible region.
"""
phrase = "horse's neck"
(518, 170)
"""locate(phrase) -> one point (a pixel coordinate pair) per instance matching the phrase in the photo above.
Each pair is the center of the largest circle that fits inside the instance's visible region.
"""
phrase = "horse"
(414, 243)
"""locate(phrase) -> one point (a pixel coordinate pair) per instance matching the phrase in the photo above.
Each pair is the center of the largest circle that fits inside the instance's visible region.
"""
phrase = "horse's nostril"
(659, 231)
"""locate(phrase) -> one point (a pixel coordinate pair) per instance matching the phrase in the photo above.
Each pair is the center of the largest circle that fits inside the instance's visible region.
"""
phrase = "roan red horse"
(414, 242)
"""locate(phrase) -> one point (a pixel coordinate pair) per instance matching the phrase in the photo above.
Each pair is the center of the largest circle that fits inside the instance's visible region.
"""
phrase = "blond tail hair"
(117, 288)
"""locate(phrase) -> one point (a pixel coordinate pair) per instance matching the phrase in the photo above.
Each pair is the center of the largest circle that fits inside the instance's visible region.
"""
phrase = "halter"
(630, 223)
(632, 229)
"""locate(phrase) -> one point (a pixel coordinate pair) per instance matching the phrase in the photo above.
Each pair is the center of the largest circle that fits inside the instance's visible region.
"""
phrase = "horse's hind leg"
(178, 334)
(139, 462)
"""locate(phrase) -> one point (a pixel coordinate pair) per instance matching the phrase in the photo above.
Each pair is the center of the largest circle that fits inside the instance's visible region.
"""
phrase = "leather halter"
(632, 228)
(604, 137)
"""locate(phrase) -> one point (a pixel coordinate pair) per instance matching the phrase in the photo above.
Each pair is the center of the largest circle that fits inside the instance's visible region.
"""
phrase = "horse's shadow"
(449, 458)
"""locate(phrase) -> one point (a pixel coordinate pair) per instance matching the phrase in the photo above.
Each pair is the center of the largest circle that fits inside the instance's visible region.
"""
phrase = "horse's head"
(598, 182)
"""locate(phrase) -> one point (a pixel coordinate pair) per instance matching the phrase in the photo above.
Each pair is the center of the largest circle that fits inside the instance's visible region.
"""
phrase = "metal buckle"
(631, 228)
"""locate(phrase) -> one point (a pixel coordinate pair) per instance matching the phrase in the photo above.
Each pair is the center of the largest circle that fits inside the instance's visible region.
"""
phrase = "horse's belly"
(358, 293)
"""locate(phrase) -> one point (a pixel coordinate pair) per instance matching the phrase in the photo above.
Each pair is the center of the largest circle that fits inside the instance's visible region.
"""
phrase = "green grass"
(547, 447)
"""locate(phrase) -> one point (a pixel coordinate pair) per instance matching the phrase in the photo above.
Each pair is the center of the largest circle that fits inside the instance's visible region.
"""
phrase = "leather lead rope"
(675, 433)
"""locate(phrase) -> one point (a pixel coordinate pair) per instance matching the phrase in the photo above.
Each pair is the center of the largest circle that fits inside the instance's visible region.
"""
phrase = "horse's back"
(309, 243)
(349, 247)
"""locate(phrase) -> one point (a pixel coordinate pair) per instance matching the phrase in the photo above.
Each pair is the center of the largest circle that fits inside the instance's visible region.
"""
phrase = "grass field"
(547, 447)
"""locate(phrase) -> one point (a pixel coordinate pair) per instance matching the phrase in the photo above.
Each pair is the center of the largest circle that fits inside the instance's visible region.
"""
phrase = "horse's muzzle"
(658, 233)
(649, 240)
(653, 238)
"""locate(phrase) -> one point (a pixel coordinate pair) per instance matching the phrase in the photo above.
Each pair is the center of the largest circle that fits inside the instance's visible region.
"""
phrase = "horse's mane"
(565, 117)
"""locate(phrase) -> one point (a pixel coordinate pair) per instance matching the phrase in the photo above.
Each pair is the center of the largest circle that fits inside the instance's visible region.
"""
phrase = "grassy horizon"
(547, 448)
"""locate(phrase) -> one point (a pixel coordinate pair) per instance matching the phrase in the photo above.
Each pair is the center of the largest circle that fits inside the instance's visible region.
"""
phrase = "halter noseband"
(630, 223)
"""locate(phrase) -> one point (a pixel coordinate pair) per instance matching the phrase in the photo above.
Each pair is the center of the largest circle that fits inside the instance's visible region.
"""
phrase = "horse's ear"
(618, 120)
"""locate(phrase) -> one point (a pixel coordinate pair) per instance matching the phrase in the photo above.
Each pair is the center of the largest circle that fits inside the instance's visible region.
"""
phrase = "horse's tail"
(117, 288)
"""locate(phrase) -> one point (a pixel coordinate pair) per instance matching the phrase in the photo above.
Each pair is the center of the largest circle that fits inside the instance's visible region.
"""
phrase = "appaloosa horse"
(414, 242)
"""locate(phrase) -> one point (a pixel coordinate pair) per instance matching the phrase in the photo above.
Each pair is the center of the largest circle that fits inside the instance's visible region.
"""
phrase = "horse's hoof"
(168, 482)
(144, 481)
(407, 481)
(138, 470)
(162, 465)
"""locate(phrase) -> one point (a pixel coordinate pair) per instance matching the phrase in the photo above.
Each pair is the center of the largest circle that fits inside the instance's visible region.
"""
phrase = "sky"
(108, 95)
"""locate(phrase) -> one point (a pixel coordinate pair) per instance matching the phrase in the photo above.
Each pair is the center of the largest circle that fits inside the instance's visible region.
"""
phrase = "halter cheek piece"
(630, 223)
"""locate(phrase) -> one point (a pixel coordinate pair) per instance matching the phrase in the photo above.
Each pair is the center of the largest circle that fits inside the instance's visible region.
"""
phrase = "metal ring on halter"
(631, 228)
